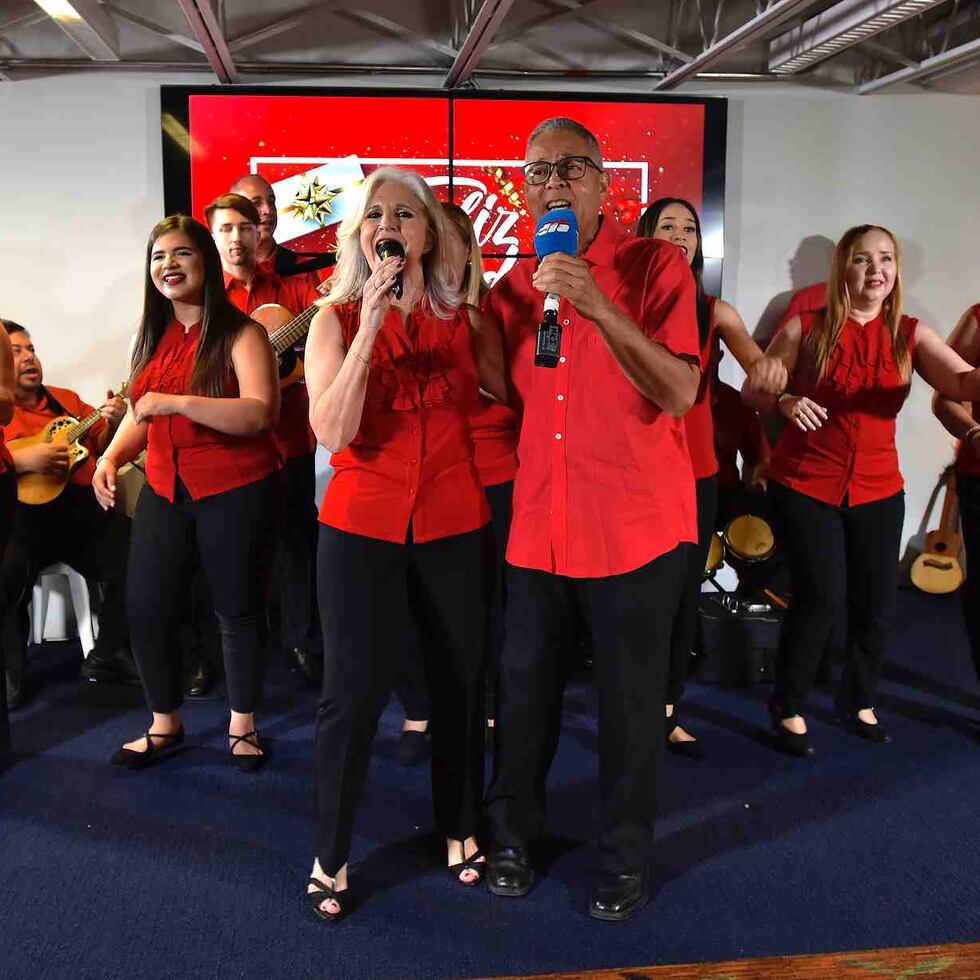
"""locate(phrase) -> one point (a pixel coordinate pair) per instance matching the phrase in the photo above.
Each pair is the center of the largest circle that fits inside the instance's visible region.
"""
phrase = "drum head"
(750, 538)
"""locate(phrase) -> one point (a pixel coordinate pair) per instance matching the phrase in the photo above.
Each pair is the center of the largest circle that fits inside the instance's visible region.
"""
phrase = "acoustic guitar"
(284, 331)
(937, 570)
(42, 488)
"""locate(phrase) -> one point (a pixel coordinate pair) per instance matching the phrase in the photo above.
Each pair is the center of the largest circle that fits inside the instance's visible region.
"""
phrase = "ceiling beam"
(280, 26)
(965, 53)
(758, 27)
(478, 38)
(400, 32)
(87, 24)
(155, 29)
(25, 20)
(200, 15)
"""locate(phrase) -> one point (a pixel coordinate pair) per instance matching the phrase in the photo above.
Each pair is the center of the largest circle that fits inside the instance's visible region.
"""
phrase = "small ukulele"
(937, 570)
(42, 488)
(284, 330)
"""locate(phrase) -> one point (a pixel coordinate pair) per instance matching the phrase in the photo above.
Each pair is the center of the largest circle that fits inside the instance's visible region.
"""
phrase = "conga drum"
(749, 539)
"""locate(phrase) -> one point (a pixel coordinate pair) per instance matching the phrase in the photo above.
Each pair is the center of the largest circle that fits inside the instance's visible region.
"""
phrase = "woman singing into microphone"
(834, 483)
(205, 397)
(675, 220)
(394, 365)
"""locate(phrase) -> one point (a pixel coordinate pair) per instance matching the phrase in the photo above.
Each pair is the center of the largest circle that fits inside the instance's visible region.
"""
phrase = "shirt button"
(561, 360)
(561, 398)
(411, 493)
(415, 462)
(557, 435)
(565, 322)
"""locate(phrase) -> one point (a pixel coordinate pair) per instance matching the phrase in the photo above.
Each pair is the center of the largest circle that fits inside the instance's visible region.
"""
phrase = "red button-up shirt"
(411, 461)
(737, 430)
(494, 430)
(296, 293)
(698, 422)
(809, 299)
(28, 421)
(853, 453)
(604, 482)
(205, 460)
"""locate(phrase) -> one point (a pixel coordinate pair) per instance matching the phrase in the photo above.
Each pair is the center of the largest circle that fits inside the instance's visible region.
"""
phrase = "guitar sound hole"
(940, 546)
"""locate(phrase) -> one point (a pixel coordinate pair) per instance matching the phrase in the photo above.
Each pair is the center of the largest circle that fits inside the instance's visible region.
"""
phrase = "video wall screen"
(316, 146)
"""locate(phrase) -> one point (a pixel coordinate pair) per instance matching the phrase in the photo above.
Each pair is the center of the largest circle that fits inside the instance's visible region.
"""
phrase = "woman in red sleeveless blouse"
(394, 366)
(675, 220)
(8, 499)
(961, 421)
(204, 400)
(834, 483)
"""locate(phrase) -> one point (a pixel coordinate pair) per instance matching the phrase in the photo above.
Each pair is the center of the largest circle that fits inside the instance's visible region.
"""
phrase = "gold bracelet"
(364, 360)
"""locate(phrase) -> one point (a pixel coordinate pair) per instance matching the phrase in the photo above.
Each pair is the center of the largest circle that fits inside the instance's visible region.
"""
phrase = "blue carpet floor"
(194, 870)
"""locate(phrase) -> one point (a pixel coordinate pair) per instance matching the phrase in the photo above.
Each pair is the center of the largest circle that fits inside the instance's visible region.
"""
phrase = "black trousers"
(297, 551)
(371, 593)
(74, 529)
(410, 686)
(684, 636)
(840, 557)
(630, 618)
(233, 536)
(8, 510)
(968, 490)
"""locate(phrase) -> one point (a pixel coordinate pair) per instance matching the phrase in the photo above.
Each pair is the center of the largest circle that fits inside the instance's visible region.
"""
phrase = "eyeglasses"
(569, 168)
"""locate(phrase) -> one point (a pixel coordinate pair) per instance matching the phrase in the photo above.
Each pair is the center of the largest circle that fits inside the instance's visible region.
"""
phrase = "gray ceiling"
(653, 44)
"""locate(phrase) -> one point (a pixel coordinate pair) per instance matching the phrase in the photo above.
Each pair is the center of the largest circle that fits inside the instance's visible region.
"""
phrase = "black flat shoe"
(413, 748)
(876, 733)
(789, 742)
(617, 897)
(688, 749)
(247, 762)
(475, 862)
(158, 748)
(321, 894)
(509, 872)
(112, 667)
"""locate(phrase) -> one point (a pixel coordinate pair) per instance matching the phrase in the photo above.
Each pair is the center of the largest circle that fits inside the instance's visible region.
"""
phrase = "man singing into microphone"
(603, 502)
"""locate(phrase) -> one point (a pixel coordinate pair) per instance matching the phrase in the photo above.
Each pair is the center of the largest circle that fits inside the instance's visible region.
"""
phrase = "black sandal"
(129, 759)
(320, 895)
(246, 762)
(472, 863)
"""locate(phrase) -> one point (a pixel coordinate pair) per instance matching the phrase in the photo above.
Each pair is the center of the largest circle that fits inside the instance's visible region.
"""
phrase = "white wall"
(82, 186)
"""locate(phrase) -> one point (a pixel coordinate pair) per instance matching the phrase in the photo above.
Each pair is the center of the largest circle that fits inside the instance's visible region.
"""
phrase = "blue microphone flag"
(556, 231)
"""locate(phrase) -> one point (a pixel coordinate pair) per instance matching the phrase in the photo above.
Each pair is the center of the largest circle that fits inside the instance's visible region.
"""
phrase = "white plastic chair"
(85, 619)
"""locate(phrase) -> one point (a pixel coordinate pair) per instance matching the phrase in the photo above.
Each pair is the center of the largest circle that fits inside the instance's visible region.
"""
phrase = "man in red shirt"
(72, 528)
(234, 222)
(603, 505)
(272, 257)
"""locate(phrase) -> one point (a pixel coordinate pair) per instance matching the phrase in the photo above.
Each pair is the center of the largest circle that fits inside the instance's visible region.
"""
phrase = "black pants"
(840, 557)
(410, 686)
(684, 636)
(968, 490)
(233, 535)
(370, 592)
(73, 529)
(8, 510)
(630, 618)
(297, 592)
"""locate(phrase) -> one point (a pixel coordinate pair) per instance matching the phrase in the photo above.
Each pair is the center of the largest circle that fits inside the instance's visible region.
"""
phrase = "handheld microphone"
(386, 249)
(556, 231)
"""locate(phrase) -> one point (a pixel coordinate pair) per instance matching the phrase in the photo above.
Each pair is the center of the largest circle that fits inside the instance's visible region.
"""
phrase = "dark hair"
(233, 202)
(646, 229)
(220, 324)
(14, 327)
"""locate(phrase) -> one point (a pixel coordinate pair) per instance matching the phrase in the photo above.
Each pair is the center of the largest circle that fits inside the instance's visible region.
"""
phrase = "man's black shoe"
(199, 681)
(114, 667)
(616, 897)
(308, 666)
(509, 871)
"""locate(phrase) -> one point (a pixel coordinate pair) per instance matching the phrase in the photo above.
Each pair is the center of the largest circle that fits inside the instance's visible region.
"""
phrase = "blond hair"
(352, 269)
(823, 338)
(473, 287)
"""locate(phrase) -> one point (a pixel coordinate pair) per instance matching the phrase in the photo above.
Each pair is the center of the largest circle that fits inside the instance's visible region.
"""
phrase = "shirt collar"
(603, 247)
(231, 281)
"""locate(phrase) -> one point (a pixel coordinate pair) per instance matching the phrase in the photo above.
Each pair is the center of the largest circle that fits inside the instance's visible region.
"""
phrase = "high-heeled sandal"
(321, 894)
(130, 759)
(475, 862)
(246, 761)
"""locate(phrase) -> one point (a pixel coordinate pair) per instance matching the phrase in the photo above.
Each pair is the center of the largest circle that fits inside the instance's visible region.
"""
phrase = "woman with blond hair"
(834, 483)
(394, 365)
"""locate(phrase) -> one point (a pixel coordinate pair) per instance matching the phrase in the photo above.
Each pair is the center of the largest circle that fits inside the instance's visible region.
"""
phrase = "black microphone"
(386, 249)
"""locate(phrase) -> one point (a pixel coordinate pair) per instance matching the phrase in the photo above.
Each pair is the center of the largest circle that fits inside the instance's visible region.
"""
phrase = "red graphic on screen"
(316, 151)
